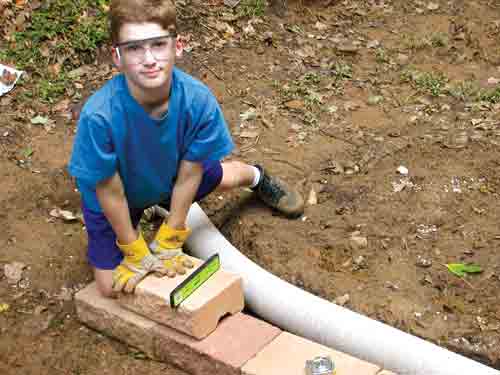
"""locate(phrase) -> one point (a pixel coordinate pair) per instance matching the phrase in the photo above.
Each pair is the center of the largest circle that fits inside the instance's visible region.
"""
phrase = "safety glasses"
(134, 52)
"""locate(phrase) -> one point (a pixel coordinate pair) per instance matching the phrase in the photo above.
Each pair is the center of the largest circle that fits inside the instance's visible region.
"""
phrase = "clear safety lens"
(135, 51)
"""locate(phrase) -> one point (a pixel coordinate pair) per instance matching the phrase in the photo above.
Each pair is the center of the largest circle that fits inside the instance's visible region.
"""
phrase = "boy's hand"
(138, 262)
(167, 246)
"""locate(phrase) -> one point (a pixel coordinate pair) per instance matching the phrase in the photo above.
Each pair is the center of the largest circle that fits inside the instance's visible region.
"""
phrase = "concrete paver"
(287, 354)
(198, 315)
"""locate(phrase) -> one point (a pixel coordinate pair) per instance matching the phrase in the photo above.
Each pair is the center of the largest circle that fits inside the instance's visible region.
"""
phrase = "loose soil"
(336, 116)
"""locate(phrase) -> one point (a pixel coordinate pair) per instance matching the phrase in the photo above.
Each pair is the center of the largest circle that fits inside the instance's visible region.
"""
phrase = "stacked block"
(197, 316)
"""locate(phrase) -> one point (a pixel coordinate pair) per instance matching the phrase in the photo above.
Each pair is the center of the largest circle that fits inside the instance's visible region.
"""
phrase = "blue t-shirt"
(115, 133)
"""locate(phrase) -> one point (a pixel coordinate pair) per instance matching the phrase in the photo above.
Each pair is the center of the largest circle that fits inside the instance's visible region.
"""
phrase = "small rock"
(402, 170)
(373, 44)
(422, 262)
(493, 81)
(375, 99)
(342, 300)
(433, 6)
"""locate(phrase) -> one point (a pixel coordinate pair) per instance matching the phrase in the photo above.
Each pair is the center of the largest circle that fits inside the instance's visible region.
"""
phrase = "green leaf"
(460, 269)
(28, 152)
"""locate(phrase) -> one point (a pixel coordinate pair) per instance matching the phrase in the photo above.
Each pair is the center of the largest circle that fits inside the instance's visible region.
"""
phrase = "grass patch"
(439, 40)
(306, 88)
(64, 32)
(416, 43)
(381, 56)
(50, 89)
(251, 8)
(464, 90)
(433, 84)
(492, 96)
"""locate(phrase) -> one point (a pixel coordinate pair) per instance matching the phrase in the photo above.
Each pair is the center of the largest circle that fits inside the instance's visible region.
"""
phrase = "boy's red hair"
(141, 11)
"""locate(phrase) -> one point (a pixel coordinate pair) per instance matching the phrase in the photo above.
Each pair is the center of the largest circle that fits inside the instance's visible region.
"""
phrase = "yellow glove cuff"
(135, 250)
(171, 238)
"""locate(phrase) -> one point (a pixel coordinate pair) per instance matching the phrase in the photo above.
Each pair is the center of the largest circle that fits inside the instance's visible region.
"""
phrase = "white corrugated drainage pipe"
(301, 313)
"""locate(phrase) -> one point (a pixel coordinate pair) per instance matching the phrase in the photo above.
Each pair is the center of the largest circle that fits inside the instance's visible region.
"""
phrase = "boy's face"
(146, 54)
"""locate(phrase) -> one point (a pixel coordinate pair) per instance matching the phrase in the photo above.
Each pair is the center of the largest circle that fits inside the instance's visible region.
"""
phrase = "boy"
(153, 135)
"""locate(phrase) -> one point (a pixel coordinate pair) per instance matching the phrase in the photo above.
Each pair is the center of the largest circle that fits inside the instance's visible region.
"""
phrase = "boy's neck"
(155, 101)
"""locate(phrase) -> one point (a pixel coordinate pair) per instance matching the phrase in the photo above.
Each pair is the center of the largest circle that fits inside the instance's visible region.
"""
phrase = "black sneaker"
(278, 195)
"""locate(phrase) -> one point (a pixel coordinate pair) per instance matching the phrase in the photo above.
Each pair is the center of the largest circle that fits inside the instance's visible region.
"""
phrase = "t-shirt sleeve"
(208, 137)
(93, 158)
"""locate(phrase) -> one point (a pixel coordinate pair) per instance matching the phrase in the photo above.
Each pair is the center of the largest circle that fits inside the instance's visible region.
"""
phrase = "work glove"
(136, 264)
(167, 246)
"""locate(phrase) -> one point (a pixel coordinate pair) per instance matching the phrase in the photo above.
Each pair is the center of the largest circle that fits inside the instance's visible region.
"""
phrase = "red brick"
(237, 339)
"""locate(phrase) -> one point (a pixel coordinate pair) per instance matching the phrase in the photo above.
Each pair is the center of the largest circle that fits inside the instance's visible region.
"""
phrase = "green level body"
(194, 281)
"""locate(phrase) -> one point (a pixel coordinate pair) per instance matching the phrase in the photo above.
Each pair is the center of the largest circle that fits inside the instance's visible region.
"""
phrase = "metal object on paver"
(320, 366)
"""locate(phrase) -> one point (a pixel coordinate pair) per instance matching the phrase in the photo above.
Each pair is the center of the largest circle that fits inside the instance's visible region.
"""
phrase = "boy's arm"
(137, 261)
(188, 181)
(111, 196)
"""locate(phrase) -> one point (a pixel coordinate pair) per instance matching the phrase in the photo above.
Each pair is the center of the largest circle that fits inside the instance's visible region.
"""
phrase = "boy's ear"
(179, 47)
(115, 54)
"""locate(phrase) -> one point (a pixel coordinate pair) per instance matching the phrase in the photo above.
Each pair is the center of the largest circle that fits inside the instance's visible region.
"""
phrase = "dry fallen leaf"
(249, 134)
(313, 198)
(295, 104)
(4, 306)
(62, 106)
(14, 272)
(64, 214)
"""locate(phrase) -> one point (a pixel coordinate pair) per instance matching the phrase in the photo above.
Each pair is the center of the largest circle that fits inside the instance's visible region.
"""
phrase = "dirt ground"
(333, 96)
